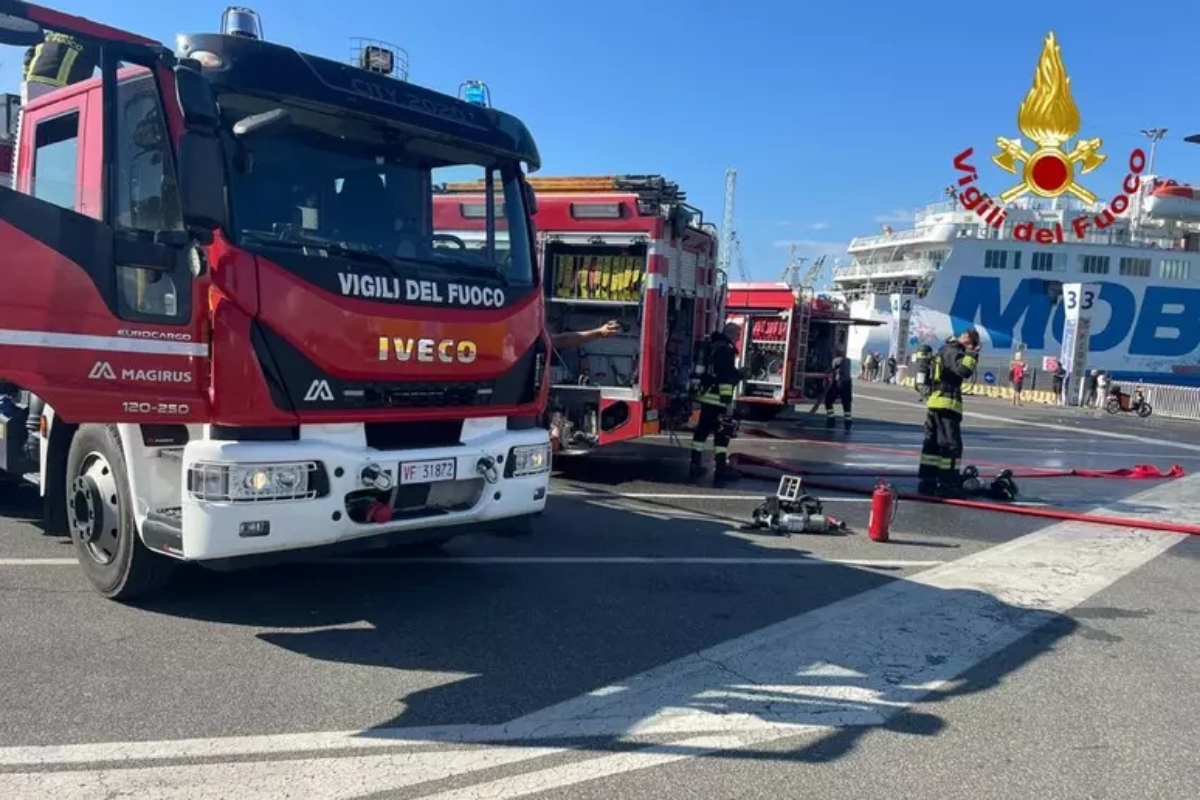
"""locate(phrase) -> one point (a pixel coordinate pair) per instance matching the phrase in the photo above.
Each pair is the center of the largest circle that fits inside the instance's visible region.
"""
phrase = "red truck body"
(627, 248)
(250, 306)
(789, 339)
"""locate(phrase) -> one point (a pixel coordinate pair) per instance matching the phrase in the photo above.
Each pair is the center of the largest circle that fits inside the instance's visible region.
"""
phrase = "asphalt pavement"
(642, 643)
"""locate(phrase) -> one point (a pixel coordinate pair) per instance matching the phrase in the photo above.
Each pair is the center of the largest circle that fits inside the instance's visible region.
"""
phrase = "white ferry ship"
(955, 270)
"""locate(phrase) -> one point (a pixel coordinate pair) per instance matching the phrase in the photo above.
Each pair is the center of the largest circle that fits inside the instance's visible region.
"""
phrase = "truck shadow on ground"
(492, 643)
(20, 501)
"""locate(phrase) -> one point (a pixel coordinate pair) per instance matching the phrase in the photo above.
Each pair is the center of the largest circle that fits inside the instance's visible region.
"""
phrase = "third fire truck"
(623, 247)
(789, 339)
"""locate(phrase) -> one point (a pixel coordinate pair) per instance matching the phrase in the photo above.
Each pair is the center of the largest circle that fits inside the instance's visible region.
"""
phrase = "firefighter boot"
(847, 423)
(724, 473)
(830, 420)
(696, 470)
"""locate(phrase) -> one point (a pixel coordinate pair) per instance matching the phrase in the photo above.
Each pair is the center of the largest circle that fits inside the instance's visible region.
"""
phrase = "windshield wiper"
(495, 270)
(275, 240)
(297, 241)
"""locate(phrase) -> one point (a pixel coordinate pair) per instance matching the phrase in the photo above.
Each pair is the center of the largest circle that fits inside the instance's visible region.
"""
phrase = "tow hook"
(487, 468)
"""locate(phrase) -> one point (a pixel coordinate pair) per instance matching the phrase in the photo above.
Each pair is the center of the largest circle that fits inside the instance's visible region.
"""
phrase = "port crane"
(730, 249)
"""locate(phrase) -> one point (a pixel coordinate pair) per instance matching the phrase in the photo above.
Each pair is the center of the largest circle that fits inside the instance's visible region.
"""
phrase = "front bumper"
(222, 529)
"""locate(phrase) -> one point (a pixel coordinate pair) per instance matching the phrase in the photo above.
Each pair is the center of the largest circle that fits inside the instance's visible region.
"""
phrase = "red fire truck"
(789, 338)
(623, 247)
(231, 330)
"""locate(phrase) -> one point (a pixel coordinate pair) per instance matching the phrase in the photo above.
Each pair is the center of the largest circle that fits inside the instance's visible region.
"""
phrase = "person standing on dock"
(839, 384)
(953, 365)
(1016, 374)
(718, 383)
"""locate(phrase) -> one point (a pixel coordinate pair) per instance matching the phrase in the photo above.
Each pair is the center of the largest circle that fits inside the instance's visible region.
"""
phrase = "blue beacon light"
(476, 93)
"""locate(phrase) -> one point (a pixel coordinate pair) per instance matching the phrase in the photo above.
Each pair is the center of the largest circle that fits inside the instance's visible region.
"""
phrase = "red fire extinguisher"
(884, 502)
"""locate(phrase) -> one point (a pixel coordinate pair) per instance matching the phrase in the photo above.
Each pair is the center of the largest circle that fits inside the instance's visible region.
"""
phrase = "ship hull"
(1142, 329)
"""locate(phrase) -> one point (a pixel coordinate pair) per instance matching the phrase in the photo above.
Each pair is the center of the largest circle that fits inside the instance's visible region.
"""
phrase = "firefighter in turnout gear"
(943, 447)
(715, 396)
(839, 384)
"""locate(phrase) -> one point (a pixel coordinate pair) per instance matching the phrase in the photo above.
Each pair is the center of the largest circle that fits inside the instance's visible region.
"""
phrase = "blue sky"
(839, 119)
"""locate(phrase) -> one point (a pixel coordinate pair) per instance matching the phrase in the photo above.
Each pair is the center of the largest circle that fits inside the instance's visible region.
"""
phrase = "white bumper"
(221, 529)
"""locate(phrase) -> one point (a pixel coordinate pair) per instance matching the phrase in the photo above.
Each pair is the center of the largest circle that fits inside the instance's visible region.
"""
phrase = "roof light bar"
(596, 210)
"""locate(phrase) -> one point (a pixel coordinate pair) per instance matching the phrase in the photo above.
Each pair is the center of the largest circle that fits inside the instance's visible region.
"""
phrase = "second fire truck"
(623, 247)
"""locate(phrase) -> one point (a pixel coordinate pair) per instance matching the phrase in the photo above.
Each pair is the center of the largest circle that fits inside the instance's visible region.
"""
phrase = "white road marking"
(882, 563)
(885, 563)
(1051, 426)
(585, 770)
(855, 662)
(339, 778)
(1037, 449)
(602, 495)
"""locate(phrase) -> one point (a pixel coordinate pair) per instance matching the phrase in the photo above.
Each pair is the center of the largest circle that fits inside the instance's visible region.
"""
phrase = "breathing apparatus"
(923, 359)
(699, 373)
(791, 510)
(1002, 487)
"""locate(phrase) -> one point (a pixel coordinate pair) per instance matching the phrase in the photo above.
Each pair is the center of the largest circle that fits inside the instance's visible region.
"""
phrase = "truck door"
(100, 313)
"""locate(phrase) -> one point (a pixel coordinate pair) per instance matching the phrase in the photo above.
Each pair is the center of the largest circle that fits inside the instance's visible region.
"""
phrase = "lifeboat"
(1173, 200)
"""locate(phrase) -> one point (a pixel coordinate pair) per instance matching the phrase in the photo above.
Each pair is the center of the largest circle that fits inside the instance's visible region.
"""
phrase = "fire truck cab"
(626, 248)
(789, 339)
(230, 328)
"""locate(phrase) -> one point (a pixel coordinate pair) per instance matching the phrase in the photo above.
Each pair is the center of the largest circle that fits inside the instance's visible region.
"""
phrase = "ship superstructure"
(955, 270)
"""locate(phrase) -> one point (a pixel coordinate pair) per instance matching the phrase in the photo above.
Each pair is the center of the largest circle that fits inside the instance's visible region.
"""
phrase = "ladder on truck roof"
(803, 317)
(649, 187)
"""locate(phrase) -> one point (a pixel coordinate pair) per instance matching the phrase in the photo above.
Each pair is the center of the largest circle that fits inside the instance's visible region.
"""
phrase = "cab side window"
(55, 160)
(146, 198)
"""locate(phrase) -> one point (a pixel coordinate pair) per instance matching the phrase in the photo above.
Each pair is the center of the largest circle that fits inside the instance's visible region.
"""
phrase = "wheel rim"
(95, 520)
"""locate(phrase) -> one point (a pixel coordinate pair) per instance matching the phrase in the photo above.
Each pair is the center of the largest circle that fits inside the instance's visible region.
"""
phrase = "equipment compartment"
(592, 385)
(764, 357)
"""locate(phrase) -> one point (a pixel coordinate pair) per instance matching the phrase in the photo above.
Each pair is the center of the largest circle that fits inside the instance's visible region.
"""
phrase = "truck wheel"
(100, 516)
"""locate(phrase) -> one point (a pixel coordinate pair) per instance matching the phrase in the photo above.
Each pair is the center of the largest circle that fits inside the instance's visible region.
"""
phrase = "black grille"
(423, 395)
(413, 435)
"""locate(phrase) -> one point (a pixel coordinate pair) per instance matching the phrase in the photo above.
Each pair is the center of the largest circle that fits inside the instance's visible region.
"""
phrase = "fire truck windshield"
(325, 186)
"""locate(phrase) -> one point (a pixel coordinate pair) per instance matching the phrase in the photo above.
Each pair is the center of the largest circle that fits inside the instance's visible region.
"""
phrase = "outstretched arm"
(568, 339)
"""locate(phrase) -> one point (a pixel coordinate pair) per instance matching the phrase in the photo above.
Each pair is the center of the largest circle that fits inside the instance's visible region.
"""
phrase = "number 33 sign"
(1079, 297)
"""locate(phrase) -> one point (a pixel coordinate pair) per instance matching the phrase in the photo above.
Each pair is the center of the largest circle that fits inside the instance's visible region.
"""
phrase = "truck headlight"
(241, 483)
(527, 459)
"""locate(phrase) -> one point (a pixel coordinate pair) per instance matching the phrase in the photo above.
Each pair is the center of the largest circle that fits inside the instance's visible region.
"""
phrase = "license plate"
(433, 471)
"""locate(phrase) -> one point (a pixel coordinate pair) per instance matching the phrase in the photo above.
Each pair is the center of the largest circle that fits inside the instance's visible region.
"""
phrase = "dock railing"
(1175, 402)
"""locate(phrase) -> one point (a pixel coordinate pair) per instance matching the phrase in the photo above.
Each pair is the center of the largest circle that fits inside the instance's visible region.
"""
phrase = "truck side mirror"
(20, 31)
(195, 97)
(202, 180)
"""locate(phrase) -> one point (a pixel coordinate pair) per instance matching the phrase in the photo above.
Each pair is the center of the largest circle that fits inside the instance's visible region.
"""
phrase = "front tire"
(99, 512)
(1144, 410)
(1113, 405)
